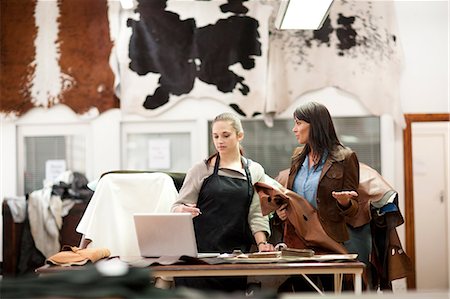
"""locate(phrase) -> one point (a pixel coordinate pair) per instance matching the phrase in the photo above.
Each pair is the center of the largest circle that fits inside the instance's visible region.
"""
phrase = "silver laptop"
(166, 234)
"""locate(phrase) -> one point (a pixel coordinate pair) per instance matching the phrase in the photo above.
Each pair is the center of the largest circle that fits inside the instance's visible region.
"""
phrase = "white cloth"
(108, 219)
(44, 213)
(18, 207)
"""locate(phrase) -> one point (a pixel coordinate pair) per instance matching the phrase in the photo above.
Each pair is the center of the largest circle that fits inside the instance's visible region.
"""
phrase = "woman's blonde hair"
(233, 118)
(235, 123)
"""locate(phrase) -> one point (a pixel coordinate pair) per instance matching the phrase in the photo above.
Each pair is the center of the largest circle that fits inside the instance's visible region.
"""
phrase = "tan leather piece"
(76, 256)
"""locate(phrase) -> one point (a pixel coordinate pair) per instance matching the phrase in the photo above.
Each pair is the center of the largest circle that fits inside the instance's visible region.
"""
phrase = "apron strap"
(216, 165)
(249, 179)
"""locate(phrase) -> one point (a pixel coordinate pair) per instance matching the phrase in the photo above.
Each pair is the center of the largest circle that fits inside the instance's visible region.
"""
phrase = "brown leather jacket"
(340, 173)
(373, 190)
(302, 228)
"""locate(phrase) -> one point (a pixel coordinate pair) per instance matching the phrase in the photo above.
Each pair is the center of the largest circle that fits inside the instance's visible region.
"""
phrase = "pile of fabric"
(41, 212)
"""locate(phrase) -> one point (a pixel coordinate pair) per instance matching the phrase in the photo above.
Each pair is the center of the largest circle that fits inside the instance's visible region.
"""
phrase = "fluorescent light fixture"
(302, 14)
(127, 4)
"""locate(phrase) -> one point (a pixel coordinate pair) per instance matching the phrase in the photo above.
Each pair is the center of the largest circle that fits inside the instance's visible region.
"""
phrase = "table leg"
(358, 284)
(312, 284)
(338, 283)
(163, 282)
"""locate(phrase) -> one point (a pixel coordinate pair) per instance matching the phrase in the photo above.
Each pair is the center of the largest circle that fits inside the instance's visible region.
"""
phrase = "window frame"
(385, 139)
(192, 127)
(49, 130)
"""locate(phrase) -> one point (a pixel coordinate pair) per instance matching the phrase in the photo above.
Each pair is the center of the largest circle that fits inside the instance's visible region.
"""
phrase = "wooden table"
(338, 269)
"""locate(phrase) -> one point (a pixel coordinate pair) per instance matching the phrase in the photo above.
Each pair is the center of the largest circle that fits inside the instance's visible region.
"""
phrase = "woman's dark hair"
(322, 135)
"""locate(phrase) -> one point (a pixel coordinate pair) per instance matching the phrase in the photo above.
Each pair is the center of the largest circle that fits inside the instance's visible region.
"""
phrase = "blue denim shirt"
(307, 180)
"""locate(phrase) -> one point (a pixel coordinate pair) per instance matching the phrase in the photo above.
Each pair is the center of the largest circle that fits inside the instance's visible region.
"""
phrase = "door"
(430, 157)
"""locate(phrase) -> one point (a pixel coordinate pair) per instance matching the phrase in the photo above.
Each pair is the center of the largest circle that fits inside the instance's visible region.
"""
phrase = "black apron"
(225, 204)
(223, 225)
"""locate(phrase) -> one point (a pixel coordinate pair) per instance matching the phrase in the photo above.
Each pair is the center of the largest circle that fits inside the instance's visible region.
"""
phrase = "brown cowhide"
(84, 44)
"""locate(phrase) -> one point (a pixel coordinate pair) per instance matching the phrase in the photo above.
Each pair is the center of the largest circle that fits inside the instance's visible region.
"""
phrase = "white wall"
(423, 32)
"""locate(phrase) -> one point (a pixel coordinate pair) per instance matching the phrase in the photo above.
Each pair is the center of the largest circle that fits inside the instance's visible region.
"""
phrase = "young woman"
(219, 193)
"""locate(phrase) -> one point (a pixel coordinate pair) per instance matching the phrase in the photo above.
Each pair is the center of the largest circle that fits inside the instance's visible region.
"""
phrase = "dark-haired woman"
(323, 170)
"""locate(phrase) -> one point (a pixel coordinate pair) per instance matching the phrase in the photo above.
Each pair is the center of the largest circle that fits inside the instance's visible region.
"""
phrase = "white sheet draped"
(108, 219)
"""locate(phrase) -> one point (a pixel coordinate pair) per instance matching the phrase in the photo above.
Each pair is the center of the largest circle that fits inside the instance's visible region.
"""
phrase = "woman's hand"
(265, 246)
(344, 197)
(188, 208)
(261, 242)
(281, 212)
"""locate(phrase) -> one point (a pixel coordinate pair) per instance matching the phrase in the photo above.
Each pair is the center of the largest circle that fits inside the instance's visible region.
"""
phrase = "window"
(273, 147)
(160, 146)
(42, 146)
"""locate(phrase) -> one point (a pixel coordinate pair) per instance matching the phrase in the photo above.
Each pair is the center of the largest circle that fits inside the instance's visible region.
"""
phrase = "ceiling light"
(302, 14)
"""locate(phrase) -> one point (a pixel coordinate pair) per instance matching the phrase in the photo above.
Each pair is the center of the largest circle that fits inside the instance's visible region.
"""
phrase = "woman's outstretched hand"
(343, 197)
